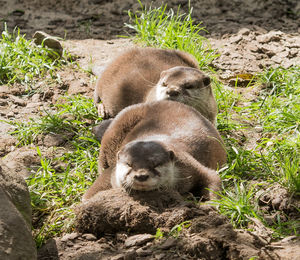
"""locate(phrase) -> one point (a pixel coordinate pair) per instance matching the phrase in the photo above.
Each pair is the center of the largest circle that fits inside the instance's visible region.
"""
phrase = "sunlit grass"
(165, 28)
(22, 61)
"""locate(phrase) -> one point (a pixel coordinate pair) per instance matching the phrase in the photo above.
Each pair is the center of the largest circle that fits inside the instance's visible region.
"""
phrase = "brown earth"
(249, 35)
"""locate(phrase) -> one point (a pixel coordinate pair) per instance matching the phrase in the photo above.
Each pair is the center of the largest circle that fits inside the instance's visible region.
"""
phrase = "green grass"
(162, 28)
(238, 204)
(54, 190)
(22, 61)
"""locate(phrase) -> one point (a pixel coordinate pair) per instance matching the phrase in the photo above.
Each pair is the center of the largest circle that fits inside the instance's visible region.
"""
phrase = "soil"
(249, 35)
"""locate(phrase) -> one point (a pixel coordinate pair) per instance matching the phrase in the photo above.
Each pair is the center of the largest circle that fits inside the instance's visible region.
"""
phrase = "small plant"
(22, 61)
(285, 228)
(55, 189)
(158, 27)
(159, 234)
(238, 205)
(74, 113)
(177, 229)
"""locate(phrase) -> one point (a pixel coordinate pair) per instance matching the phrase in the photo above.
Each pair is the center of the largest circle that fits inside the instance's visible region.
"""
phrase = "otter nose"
(173, 92)
(141, 177)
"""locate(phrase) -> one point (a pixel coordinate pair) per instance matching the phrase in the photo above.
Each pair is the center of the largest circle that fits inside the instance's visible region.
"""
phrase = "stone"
(15, 217)
(18, 101)
(138, 240)
(170, 242)
(141, 252)
(34, 104)
(19, 160)
(270, 36)
(42, 38)
(89, 237)
(236, 39)
(35, 98)
(70, 236)
(53, 140)
(244, 31)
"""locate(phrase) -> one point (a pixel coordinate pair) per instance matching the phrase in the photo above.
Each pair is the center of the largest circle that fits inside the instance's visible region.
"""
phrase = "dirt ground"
(249, 35)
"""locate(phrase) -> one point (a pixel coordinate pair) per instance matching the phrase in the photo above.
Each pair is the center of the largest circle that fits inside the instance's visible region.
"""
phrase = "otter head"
(144, 166)
(189, 86)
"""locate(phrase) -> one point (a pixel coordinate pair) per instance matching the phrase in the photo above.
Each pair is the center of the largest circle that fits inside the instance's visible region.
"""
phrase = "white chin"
(143, 187)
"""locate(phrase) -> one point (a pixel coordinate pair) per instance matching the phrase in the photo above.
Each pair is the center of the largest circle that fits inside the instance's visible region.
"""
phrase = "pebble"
(89, 237)
(70, 236)
(142, 252)
(138, 240)
(170, 242)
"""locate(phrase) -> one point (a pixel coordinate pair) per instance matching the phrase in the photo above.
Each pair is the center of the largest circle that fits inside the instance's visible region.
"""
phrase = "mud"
(102, 19)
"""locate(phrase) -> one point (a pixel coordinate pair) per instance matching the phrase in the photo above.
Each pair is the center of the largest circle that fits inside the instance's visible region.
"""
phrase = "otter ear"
(206, 81)
(162, 74)
(171, 155)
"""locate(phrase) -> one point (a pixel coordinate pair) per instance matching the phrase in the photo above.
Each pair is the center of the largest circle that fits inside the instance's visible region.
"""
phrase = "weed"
(22, 61)
(177, 229)
(53, 191)
(238, 204)
(158, 27)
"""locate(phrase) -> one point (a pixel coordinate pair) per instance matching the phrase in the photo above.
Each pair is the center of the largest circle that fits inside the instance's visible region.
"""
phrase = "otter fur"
(160, 145)
(142, 75)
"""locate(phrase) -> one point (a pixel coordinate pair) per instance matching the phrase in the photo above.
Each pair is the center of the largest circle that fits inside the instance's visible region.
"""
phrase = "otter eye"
(188, 86)
(164, 84)
(128, 164)
(206, 81)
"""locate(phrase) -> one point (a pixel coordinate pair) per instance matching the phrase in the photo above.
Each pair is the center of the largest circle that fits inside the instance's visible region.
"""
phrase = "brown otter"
(162, 144)
(146, 74)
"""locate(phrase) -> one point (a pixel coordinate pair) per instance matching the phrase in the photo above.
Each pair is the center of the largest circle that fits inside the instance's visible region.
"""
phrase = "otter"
(160, 145)
(142, 75)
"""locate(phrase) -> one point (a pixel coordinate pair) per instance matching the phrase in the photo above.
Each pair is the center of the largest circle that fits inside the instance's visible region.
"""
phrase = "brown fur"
(132, 77)
(195, 142)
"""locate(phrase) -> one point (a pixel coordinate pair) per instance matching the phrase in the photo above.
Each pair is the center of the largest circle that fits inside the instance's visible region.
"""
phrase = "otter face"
(144, 166)
(189, 86)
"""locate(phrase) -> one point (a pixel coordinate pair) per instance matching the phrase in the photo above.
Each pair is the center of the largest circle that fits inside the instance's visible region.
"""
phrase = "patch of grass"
(238, 204)
(54, 190)
(275, 155)
(159, 27)
(281, 160)
(286, 228)
(73, 115)
(27, 132)
(22, 61)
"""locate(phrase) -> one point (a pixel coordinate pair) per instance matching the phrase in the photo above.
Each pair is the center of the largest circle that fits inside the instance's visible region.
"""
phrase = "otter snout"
(141, 176)
(172, 92)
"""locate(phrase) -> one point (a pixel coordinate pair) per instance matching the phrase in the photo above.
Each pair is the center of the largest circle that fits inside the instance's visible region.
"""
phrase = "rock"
(70, 236)
(17, 100)
(16, 241)
(89, 237)
(244, 31)
(51, 140)
(42, 38)
(138, 240)
(19, 160)
(34, 105)
(130, 255)
(236, 39)
(6, 144)
(3, 102)
(35, 98)
(270, 36)
(78, 87)
(170, 242)
(141, 252)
